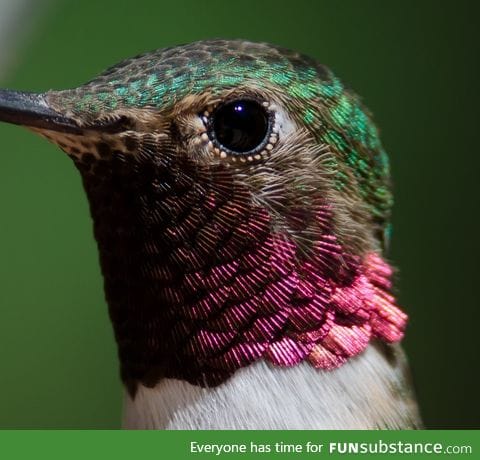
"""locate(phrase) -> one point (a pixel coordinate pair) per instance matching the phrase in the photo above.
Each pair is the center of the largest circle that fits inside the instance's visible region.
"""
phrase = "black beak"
(32, 110)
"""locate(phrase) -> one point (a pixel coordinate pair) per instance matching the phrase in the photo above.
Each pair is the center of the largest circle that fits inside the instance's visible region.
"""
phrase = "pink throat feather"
(324, 316)
(263, 298)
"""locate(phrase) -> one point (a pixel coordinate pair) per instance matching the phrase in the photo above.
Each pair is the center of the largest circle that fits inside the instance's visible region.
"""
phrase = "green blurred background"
(416, 65)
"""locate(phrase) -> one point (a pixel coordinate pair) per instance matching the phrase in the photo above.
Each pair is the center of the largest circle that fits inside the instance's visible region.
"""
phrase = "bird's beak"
(32, 110)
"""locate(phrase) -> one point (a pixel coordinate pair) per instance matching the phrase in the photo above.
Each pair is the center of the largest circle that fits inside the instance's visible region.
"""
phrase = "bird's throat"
(201, 283)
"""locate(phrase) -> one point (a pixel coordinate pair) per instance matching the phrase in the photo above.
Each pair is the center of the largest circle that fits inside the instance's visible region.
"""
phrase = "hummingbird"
(241, 201)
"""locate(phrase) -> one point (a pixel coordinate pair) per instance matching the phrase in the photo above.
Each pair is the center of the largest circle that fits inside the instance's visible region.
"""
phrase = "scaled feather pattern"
(209, 266)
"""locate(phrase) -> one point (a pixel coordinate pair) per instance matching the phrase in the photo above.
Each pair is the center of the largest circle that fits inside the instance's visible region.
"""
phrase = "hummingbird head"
(240, 198)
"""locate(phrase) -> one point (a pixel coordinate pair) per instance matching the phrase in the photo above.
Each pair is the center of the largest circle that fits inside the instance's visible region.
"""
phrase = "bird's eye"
(240, 127)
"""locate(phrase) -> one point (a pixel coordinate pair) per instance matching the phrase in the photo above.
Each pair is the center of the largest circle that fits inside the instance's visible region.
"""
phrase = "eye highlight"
(241, 129)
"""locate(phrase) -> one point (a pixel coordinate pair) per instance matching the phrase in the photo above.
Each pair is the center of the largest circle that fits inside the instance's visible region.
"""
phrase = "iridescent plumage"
(210, 265)
(214, 260)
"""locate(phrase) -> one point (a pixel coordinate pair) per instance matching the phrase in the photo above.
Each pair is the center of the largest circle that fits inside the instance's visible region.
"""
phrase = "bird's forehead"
(162, 78)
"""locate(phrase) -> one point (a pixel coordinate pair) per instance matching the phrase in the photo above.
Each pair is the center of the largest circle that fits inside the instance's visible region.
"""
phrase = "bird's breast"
(370, 392)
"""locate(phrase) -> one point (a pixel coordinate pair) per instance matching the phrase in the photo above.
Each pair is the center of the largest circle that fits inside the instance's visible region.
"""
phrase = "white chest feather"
(369, 392)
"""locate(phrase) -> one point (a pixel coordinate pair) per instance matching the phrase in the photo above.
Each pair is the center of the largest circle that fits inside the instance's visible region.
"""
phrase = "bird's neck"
(370, 392)
(170, 264)
(201, 281)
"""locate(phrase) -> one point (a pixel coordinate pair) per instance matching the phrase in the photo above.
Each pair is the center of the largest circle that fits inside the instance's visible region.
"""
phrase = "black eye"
(240, 126)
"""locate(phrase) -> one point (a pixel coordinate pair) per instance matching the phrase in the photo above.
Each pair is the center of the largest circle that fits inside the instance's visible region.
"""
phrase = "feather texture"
(372, 392)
